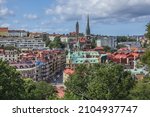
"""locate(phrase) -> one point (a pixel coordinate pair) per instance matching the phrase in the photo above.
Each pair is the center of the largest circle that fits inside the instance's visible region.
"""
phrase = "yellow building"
(3, 31)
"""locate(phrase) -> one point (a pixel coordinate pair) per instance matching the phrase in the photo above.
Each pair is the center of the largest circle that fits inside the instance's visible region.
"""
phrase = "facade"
(23, 42)
(126, 56)
(82, 57)
(50, 66)
(17, 33)
(3, 31)
(35, 35)
(107, 41)
(9, 55)
(26, 69)
(64, 39)
(44, 65)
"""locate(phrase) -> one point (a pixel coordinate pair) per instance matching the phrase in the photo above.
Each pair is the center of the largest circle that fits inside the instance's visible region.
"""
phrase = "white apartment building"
(17, 33)
(34, 43)
(64, 39)
(107, 41)
(9, 55)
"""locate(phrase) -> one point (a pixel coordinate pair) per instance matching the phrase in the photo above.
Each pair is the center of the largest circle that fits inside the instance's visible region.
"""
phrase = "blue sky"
(107, 17)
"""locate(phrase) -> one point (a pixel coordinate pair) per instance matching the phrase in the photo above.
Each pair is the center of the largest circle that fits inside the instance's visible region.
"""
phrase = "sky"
(107, 17)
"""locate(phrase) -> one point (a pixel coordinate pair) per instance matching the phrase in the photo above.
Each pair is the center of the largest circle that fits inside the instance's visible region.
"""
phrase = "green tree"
(146, 57)
(93, 43)
(125, 39)
(107, 48)
(44, 91)
(30, 87)
(120, 46)
(47, 42)
(147, 34)
(11, 85)
(141, 90)
(56, 43)
(100, 82)
(39, 90)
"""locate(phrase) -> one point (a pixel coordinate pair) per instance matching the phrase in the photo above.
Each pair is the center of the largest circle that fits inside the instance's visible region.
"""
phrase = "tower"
(88, 32)
(77, 28)
(77, 35)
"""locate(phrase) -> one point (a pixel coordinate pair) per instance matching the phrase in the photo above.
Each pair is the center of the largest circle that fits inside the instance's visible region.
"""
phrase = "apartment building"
(23, 42)
(17, 33)
(107, 41)
(39, 65)
(9, 55)
(3, 31)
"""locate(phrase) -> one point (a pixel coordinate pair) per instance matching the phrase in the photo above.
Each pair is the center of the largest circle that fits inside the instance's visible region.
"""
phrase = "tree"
(39, 90)
(99, 82)
(44, 91)
(11, 85)
(93, 43)
(120, 46)
(147, 34)
(141, 90)
(30, 87)
(107, 48)
(56, 43)
(125, 39)
(146, 57)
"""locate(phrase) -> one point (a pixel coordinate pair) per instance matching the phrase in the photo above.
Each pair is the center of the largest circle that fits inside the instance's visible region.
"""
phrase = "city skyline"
(115, 17)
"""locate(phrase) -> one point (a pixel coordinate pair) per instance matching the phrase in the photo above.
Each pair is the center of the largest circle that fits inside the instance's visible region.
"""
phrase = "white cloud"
(101, 10)
(2, 1)
(4, 11)
(5, 25)
(31, 16)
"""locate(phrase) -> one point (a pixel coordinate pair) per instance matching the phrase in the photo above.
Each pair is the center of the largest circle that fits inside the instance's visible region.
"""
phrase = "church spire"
(77, 28)
(77, 35)
(88, 32)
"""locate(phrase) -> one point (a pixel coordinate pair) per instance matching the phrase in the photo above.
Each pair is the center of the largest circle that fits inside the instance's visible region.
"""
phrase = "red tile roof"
(99, 48)
(68, 71)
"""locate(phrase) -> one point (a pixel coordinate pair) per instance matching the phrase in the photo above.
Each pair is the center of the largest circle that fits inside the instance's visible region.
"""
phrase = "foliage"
(141, 90)
(93, 43)
(38, 90)
(107, 48)
(30, 87)
(12, 86)
(120, 46)
(147, 34)
(99, 82)
(44, 91)
(146, 57)
(56, 43)
(124, 39)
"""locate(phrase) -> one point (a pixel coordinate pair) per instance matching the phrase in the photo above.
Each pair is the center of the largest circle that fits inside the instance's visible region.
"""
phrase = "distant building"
(9, 55)
(107, 41)
(131, 44)
(35, 35)
(17, 33)
(3, 31)
(82, 57)
(64, 39)
(33, 43)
